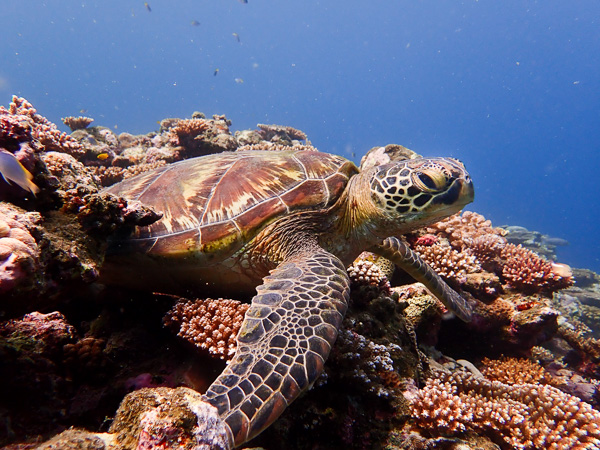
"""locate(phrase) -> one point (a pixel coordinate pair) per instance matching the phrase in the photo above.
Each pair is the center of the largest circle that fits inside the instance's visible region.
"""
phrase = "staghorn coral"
(280, 133)
(524, 269)
(448, 262)
(510, 370)
(525, 416)
(77, 123)
(462, 228)
(209, 324)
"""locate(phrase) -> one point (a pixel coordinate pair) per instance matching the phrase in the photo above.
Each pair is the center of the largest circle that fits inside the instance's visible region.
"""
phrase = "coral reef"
(76, 365)
(211, 325)
(524, 416)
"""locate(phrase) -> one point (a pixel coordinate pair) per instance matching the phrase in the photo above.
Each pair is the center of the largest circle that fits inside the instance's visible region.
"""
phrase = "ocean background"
(511, 87)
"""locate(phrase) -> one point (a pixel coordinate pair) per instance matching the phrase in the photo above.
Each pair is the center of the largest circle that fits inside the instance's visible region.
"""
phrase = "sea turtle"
(283, 225)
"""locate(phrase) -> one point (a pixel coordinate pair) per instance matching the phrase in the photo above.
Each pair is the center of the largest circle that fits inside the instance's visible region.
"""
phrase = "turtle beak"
(467, 191)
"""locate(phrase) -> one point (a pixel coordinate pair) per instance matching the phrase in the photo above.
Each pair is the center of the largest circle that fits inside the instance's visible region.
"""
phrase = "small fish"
(238, 80)
(12, 170)
(147, 6)
(237, 37)
(195, 23)
(215, 72)
(82, 111)
(243, 1)
(102, 156)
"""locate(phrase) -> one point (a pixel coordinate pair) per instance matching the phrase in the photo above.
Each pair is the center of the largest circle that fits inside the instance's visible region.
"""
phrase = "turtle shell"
(219, 202)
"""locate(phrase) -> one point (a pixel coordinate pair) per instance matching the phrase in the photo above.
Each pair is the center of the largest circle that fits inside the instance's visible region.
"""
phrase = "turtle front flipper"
(398, 252)
(283, 343)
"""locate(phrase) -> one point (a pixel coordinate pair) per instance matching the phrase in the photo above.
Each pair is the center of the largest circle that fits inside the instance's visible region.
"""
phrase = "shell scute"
(223, 200)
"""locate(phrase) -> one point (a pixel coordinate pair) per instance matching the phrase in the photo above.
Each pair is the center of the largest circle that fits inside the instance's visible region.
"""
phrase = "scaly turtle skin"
(286, 224)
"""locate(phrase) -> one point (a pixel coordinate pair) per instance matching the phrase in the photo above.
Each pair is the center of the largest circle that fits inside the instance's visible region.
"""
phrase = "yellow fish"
(13, 171)
(147, 6)
(102, 156)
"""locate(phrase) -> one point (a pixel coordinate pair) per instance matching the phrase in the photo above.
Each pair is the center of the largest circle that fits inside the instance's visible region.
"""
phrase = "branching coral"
(209, 324)
(77, 123)
(462, 229)
(525, 416)
(373, 270)
(524, 269)
(280, 132)
(448, 262)
(276, 147)
(202, 136)
(20, 122)
(511, 370)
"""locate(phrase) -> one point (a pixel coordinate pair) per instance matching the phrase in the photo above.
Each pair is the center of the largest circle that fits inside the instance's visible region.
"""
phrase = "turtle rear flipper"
(401, 254)
(283, 343)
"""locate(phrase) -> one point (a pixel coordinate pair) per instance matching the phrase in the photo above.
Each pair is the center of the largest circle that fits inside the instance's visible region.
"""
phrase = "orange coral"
(514, 371)
(525, 416)
(209, 324)
(524, 269)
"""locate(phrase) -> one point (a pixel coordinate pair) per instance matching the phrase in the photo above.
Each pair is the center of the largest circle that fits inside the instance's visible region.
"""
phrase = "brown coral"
(209, 324)
(40, 129)
(525, 416)
(511, 370)
(448, 262)
(273, 132)
(276, 147)
(524, 269)
(77, 123)
(462, 229)
(371, 269)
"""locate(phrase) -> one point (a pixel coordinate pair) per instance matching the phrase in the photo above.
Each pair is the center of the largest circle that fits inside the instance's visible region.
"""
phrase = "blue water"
(510, 87)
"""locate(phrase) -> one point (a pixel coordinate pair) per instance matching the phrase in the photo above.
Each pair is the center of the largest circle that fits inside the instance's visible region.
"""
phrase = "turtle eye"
(430, 181)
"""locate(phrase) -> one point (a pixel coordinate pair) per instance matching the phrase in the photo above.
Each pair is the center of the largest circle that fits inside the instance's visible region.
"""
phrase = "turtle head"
(412, 193)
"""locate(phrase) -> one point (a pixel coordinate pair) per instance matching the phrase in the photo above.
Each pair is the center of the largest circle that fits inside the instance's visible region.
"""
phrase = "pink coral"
(21, 122)
(525, 416)
(209, 324)
(524, 269)
(18, 249)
